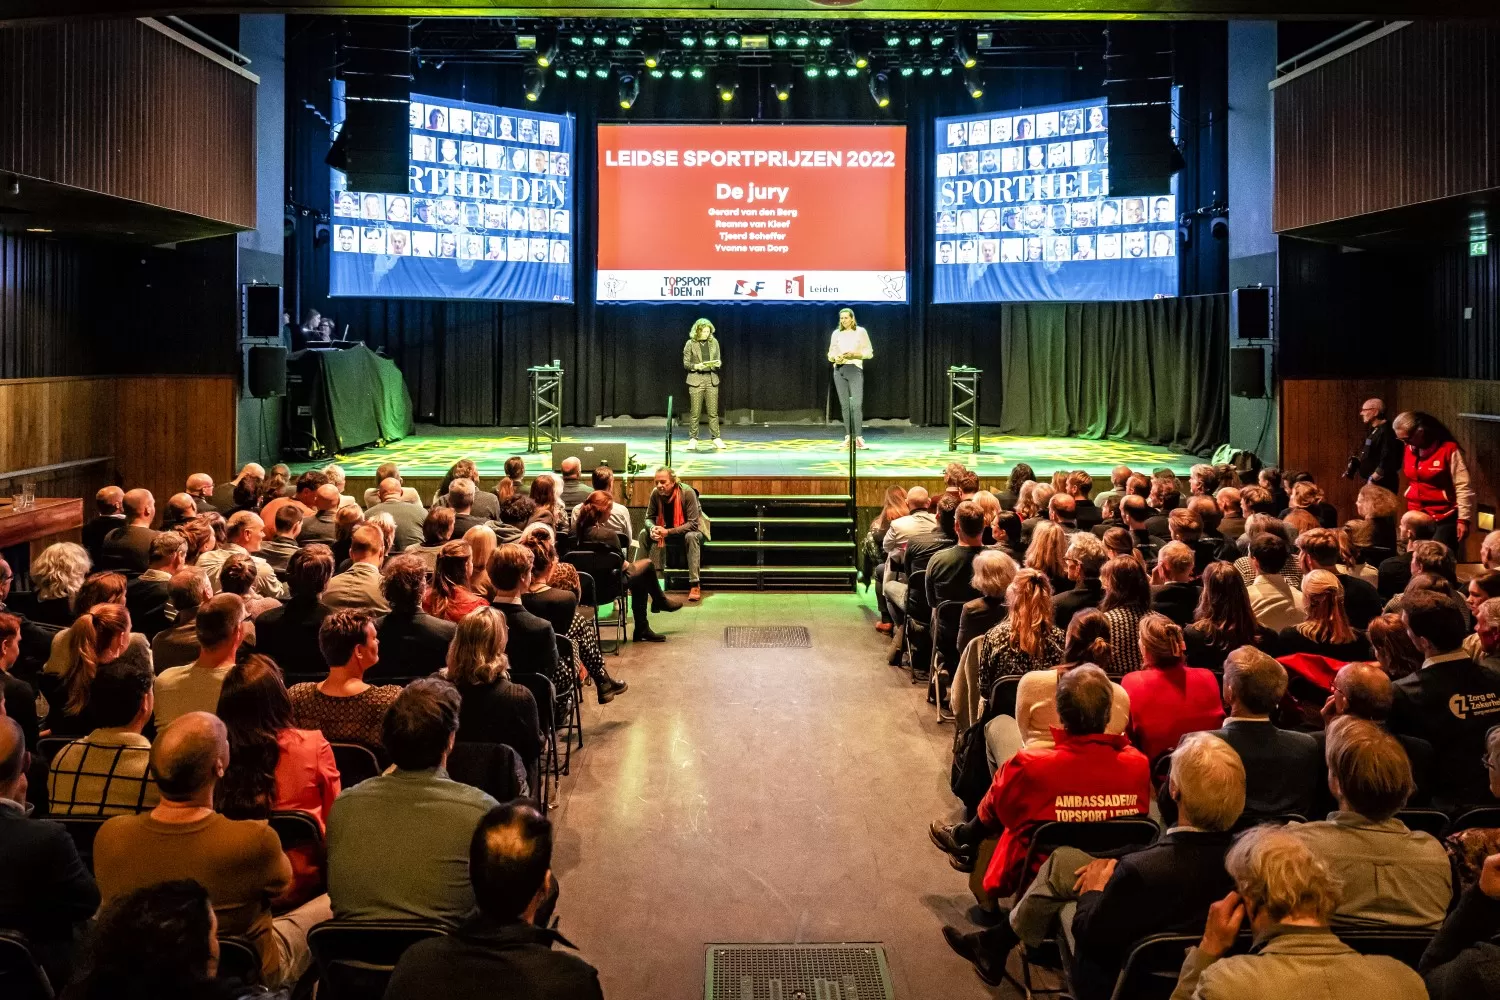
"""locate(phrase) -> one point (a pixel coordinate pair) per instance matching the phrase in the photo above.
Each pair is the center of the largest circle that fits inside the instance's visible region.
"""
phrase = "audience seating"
(355, 763)
(1404, 944)
(490, 767)
(918, 616)
(238, 959)
(1151, 969)
(21, 975)
(354, 959)
(571, 724)
(604, 571)
(82, 829)
(1002, 696)
(1483, 817)
(549, 768)
(48, 747)
(1433, 821)
(297, 830)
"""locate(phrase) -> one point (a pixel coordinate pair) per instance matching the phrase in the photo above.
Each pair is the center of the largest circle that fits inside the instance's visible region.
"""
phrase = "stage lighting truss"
(533, 81)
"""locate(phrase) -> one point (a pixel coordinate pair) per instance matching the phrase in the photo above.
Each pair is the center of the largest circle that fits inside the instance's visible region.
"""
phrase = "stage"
(766, 453)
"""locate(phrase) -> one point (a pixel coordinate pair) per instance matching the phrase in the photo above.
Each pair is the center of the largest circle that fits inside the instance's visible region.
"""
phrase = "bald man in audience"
(1395, 571)
(389, 470)
(359, 586)
(180, 510)
(319, 526)
(242, 536)
(127, 549)
(303, 497)
(1364, 691)
(920, 521)
(574, 490)
(408, 516)
(220, 627)
(200, 486)
(239, 862)
(109, 514)
(1062, 510)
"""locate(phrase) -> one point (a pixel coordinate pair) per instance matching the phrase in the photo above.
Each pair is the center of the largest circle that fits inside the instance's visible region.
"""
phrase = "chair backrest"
(49, 747)
(1433, 821)
(21, 975)
(586, 590)
(545, 694)
(1102, 835)
(355, 959)
(606, 566)
(916, 597)
(297, 829)
(355, 763)
(238, 959)
(946, 617)
(1002, 696)
(82, 829)
(1405, 945)
(1483, 817)
(1151, 969)
(495, 768)
(566, 658)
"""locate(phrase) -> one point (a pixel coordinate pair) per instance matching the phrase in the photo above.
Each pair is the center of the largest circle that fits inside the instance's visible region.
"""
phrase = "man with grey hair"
(1102, 906)
(335, 474)
(389, 470)
(407, 515)
(1364, 691)
(1287, 894)
(239, 862)
(242, 536)
(1202, 480)
(1283, 768)
(574, 490)
(461, 493)
(1379, 458)
(1483, 646)
(1084, 561)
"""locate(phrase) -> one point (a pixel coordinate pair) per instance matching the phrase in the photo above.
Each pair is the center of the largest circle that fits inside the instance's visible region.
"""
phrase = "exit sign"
(1479, 248)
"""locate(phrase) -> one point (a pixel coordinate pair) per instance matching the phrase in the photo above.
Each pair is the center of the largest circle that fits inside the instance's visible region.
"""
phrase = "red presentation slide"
(735, 212)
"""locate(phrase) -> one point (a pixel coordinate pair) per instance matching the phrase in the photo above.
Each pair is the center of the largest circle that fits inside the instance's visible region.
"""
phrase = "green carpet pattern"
(775, 451)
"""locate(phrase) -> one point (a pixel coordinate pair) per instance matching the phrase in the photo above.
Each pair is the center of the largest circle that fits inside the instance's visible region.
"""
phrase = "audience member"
(584, 635)
(1173, 592)
(177, 645)
(220, 625)
(541, 598)
(673, 511)
(57, 573)
(1168, 699)
(486, 504)
(47, 893)
(319, 525)
(574, 491)
(1084, 561)
(450, 597)
(127, 549)
(1364, 691)
(100, 636)
(1471, 846)
(515, 514)
(1483, 646)
(109, 514)
(1282, 768)
(1047, 554)
(1463, 961)
(242, 535)
(1395, 571)
(1327, 631)
(238, 576)
(461, 495)
(1102, 906)
(413, 643)
(345, 520)
(415, 813)
(510, 859)
(532, 644)
(437, 531)
(1276, 603)
(993, 573)
(1393, 646)
(17, 697)
(1450, 702)
(1287, 895)
(1027, 639)
(99, 588)
(619, 515)
(107, 772)
(289, 634)
(950, 572)
(483, 541)
(342, 706)
(181, 509)
(494, 708)
(1320, 549)
(1020, 474)
(1231, 511)
(239, 862)
(1482, 586)
(1127, 599)
(358, 587)
(148, 597)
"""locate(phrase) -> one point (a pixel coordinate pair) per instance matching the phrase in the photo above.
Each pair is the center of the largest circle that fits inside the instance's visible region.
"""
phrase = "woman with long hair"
(273, 765)
(646, 593)
(549, 508)
(345, 520)
(494, 708)
(1048, 554)
(1327, 631)
(275, 484)
(1308, 495)
(1437, 474)
(1025, 507)
(544, 600)
(1224, 621)
(1127, 598)
(100, 635)
(1168, 698)
(1393, 647)
(450, 596)
(464, 468)
(1027, 639)
(1118, 542)
(892, 507)
(1482, 586)
(1020, 475)
(200, 539)
(564, 577)
(1269, 478)
(99, 588)
(482, 545)
(1382, 509)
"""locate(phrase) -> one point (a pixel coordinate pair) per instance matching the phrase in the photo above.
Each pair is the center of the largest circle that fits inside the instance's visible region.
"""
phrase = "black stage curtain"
(466, 362)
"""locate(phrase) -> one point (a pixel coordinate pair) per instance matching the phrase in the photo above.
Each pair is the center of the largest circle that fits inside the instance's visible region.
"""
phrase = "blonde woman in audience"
(1036, 696)
(450, 596)
(1127, 599)
(1060, 481)
(494, 709)
(387, 525)
(345, 520)
(1382, 509)
(1360, 556)
(1308, 495)
(482, 543)
(57, 573)
(98, 589)
(1327, 631)
(1026, 500)
(1299, 520)
(1027, 639)
(993, 573)
(1393, 647)
(1047, 554)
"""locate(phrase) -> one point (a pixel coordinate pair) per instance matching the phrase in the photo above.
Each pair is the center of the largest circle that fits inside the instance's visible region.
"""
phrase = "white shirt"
(855, 341)
(265, 585)
(1275, 602)
(904, 528)
(619, 518)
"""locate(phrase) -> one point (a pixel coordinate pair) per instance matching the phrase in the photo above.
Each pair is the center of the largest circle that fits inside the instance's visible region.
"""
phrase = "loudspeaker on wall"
(1247, 372)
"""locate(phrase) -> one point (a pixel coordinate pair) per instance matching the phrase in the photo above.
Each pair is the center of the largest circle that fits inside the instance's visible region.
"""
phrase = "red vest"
(1431, 482)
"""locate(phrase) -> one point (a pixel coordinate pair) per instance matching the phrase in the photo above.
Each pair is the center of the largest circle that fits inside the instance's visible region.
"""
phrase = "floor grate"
(773, 637)
(797, 972)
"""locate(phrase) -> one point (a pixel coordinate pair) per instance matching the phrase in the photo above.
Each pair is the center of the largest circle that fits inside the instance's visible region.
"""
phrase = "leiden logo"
(750, 289)
(685, 287)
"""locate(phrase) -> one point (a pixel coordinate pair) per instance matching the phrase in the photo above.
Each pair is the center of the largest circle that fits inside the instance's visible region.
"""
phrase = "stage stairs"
(780, 541)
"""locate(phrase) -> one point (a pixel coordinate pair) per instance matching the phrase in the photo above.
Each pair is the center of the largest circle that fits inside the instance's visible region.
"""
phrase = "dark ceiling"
(44, 207)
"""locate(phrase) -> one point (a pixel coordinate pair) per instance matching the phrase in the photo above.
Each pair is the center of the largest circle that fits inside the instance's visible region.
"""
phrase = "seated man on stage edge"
(674, 511)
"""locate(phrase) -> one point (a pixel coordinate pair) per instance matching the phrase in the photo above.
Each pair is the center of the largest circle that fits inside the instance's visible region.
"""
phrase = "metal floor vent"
(773, 637)
(797, 972)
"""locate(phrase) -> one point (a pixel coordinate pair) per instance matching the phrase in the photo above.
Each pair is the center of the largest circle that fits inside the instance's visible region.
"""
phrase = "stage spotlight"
(624, 38)
(936, 40)
(599, 39)
(825, 40)
(781, 81)
(880, 89)
(727, 81)
(710, 40)
(851, 71)
(973, 84)
(628, 90)
(780, 39)
(732, 40)
(813, 71)
(926, 69)
(908, 70)
(601, 71)
(914, 40)
(576, 40)
(677, 72)
(966, 49)
(561, 71)
(546, 50)
(688, 40)
(803, 40)
(534, 81)
(892, 39)
(1218, 226)
(859, 56)
(652, 57)
(656, 72)
(945, 70)
(696, 72)
(1185, 231)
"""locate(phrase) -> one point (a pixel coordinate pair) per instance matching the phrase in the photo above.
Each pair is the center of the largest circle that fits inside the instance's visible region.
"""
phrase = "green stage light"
(851, 71)
(677, 72)
(892, 39)
(780, 39)
(623, 39)
(825, 40)
(813, 71)
(803, 39)
(656, 72)
(913, 40)
(926, 69)
(561, 71)
(732, 40)
(710, 40)
(936, 40)
(688, 41)
(599, 40)
(601, 71)
(696, 72)
(945, 70)
(576, 40)
(908, 70)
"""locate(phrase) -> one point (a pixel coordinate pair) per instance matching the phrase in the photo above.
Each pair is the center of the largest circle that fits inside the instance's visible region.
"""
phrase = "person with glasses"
(1379, 458)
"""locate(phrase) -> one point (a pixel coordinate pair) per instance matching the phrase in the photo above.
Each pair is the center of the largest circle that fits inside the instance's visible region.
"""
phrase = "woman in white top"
(848, 351)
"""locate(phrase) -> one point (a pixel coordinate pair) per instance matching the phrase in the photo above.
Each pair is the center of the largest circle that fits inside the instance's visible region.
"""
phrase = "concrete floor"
(757, 796)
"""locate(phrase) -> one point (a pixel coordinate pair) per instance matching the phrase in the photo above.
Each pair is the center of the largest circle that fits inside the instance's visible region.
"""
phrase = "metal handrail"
(667, 445)
(1326, 43)
(76, 463)
(854, 496)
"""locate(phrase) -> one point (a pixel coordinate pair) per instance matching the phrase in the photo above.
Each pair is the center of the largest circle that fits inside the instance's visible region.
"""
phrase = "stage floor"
(773, 451)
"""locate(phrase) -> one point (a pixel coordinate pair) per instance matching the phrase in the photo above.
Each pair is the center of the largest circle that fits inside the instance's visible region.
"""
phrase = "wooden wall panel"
(170, 426)
(1407, 118)
(119, 108)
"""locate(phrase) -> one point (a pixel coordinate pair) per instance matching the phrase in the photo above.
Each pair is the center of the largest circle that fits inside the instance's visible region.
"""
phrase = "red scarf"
(676, 506)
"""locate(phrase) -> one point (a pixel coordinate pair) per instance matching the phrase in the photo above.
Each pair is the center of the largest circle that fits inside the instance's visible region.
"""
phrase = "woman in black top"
(1327, 631)
(544, 600)
(1224, 620)
(494, 708)
(993, 573)
(593, 528)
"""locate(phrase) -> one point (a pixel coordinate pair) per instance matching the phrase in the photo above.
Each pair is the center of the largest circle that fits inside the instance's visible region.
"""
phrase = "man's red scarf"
(676, 506)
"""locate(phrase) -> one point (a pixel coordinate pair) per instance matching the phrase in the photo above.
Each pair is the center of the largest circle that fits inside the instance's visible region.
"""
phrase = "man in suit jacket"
(531, 645)
(1079, 485)
(359, 585)
(46, 892)
(1085, 559)
(1320, 550)
(1121, 897)
(127, 549)
(1451, 702)
(1287, 894)
(1394, 572)
(1174, 593)
(412, 642)
(1364, 691)
(289, 634)
(1283, 770)
(320, 526)
(108, 515)
(148, 596)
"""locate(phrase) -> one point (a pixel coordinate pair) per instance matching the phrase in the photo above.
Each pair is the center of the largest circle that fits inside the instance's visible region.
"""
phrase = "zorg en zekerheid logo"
(685, 287)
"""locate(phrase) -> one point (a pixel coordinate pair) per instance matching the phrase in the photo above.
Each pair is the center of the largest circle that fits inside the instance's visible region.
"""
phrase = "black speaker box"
(265, 371)
(260, 312)
(372, 147)
(1142, 156)
(1247, 372)
(1250, 313)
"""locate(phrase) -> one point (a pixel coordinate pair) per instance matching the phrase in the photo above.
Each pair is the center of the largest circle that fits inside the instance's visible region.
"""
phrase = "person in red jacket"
(1087, 776)
(1168, 698)
(1437, 475)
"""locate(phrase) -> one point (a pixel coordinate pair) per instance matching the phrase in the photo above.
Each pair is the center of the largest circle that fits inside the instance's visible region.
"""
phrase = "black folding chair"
(918, 638)
(1404, 944)
(494, 768)
(549, 769)
(945, 635)
(606, 567)
(572, 722)
(82, 829)
(355, 958)
(355, 762)
(49, 747)
(299, 831)
(1483, 817)
(238, 959)
(1152, 967)
(21, 974)
(1433, 821)
(1002, 696)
